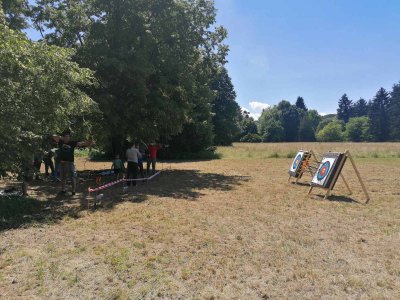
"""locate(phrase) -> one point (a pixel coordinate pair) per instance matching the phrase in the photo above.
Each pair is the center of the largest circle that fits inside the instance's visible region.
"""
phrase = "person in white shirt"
(132, 156)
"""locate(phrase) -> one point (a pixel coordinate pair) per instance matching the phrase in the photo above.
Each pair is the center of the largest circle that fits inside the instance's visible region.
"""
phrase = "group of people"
(135, 157)
(64, 164)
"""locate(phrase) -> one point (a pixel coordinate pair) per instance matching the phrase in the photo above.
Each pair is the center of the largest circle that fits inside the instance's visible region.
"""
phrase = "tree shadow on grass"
(45, 207)
(176, 184)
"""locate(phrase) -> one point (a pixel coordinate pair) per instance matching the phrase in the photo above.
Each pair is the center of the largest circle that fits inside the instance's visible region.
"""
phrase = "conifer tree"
(344, 110)
(360, 108)
(394, 113)
(378, 114)
(300, 104)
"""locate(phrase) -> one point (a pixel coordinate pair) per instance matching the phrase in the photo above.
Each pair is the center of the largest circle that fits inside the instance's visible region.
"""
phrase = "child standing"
(118, 166)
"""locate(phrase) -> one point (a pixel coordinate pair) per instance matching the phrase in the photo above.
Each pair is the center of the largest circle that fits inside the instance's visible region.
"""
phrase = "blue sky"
(319, 50)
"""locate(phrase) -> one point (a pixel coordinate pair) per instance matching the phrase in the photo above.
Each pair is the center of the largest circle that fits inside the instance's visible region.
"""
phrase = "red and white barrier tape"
(144, 179)
(110, 184)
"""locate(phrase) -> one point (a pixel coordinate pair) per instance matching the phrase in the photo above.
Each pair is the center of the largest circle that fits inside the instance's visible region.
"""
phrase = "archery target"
(297, 162)
(324, 171)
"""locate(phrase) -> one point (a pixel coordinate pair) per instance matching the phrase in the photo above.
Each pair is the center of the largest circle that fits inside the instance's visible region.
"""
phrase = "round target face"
(296, 162)
(323, 170)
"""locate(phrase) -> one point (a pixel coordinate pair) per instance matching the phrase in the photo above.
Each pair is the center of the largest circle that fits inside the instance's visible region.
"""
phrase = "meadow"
(230, 228)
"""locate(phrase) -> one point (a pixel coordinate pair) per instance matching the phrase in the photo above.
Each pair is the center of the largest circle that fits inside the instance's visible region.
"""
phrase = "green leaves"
(226, 111)
(154, 59)
(39, 93)
(13, 13)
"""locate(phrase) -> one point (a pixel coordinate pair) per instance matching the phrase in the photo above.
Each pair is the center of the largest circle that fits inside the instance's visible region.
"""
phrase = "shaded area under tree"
(188, 185)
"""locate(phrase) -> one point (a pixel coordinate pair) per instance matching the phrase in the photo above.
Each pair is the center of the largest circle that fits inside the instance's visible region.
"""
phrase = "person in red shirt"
(152, 157)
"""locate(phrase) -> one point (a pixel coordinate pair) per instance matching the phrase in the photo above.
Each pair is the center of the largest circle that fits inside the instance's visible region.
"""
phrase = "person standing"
(118, 166)
(140, 160)
(48, 163)
(65, 155)
(132, 156)
(152, 157)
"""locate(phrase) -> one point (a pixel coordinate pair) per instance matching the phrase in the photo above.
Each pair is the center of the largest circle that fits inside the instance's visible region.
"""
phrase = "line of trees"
(376, 120)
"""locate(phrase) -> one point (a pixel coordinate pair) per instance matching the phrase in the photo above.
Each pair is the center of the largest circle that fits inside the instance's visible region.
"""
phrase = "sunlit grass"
(288, 150)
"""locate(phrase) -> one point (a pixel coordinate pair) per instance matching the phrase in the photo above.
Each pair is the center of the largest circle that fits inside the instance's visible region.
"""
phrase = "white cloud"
(255, 105)
(324, 114)
(256, 109)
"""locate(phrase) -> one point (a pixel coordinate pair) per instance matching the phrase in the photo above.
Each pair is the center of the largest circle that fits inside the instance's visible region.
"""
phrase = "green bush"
(357, 129)
(251, 138)
(332, 132)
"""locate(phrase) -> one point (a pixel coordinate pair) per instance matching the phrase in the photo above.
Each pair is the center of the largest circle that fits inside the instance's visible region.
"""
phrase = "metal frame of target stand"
(339, 173)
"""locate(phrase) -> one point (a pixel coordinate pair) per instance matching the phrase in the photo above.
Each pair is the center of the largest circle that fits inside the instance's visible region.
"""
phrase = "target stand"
(304, 161)
(330, 169)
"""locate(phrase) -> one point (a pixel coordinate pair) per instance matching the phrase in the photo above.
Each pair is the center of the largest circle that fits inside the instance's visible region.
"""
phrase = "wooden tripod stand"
(339, 173)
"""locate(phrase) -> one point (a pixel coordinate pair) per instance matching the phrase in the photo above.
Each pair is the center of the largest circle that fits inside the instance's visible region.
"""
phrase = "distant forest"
(376, 120)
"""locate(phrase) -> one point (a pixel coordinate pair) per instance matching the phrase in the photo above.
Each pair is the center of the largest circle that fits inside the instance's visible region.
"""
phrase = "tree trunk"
(117, 145)
(24, 188)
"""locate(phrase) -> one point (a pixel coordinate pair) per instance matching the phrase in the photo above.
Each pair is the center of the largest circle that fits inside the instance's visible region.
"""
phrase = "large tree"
(281, 122)
(308, 126)
(344, 109)
(247, 126)
(290, 117)
(378, 115)
(394, 113)
(226, 111)
(270, 125)
(154, 60)
(40, 93)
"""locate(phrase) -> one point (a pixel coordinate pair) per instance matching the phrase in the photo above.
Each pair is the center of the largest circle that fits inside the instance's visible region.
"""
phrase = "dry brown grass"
(285, 150)
(225, 229)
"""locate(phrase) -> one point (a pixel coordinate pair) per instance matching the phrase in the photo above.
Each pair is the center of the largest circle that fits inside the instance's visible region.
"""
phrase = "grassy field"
(288, 150)
(232, 228)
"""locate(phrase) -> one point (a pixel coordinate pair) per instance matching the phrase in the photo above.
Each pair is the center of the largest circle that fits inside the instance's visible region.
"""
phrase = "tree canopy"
(40, 93)
(154, 61)
(226, 111)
